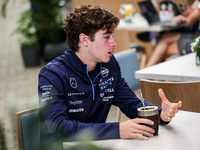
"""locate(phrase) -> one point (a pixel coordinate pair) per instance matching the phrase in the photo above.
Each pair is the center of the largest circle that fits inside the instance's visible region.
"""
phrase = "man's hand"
(133, 129)
(168, 109)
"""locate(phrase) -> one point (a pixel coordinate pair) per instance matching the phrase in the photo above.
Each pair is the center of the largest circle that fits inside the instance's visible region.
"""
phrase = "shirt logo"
(73, 83)
(106, 99)
(76, 110)
(75, 102)
(104, 72)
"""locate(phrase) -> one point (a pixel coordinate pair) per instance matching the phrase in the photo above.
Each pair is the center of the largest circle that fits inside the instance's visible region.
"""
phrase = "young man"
(77, 89)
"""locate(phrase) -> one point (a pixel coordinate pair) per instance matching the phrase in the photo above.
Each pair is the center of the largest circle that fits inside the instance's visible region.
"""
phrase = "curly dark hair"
(88, 19)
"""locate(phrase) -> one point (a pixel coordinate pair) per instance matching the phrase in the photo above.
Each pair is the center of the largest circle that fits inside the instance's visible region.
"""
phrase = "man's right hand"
(134, 128)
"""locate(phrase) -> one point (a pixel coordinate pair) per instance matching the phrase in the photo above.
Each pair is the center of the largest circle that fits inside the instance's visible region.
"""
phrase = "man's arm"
(134, 128)
(57, 121)
(53, 111)
(128, 103)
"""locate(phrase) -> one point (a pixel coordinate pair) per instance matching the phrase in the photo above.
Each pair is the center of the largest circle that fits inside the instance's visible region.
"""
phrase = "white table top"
(183, 133)
(139, 26)
(139, 23)
(179, 69)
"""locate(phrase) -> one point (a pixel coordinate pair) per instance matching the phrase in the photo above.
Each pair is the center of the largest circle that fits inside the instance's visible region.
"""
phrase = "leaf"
(3, 8)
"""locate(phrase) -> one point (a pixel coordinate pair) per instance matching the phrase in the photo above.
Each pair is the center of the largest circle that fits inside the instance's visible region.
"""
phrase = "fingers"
(168, 109)
(143, 129)
(142, 135)
(168, 114)
(164, 99)
(174, 110)
(179, 104)
(144, 121)
(162, 95)
(175, 106)
(136, 128)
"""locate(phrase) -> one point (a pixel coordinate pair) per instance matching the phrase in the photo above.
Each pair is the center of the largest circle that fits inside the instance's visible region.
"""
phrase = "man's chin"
(106, 60)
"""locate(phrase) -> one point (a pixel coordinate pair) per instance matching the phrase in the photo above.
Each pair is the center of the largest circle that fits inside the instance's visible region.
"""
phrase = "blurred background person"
(178, 43)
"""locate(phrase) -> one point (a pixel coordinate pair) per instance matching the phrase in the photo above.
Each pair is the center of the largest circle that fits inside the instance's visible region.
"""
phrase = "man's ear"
(84, 39)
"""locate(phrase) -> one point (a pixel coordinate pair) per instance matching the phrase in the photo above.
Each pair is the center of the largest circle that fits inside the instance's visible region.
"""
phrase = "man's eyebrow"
(107, 33)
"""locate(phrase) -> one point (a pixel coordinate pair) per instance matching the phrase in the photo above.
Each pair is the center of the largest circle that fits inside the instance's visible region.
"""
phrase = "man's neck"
(84, 58)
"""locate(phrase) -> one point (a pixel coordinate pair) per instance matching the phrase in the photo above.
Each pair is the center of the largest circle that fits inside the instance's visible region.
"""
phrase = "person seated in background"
(177, 43)
(77, 89)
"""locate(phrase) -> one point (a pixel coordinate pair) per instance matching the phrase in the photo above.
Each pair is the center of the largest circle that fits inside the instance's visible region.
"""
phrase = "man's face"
(102, 47)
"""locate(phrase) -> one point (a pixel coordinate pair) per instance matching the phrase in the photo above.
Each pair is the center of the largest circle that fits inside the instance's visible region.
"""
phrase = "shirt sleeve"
(53, 111)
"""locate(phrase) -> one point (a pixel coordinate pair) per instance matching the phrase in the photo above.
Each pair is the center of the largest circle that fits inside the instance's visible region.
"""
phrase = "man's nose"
(113, 42)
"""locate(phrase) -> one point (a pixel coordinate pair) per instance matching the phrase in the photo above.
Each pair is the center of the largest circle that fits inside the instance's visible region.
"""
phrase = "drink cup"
(150, 112)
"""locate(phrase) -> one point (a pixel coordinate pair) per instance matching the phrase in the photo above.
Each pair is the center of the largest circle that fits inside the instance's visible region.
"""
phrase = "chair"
(187, 92)
(129, 64)
(28, 129)
(123, 41)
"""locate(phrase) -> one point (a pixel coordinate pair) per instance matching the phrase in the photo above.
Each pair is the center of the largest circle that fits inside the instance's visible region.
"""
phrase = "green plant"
(46, 18)
(49, 20)
(3, 7)
(195, 46)
(27, 30)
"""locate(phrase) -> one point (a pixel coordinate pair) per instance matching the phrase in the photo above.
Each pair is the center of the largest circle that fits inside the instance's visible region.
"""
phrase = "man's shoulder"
(60, 61)
(56, 65)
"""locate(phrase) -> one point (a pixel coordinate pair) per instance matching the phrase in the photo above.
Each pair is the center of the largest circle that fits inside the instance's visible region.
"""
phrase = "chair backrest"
(187, 92)
(128, 63)
(28, 127)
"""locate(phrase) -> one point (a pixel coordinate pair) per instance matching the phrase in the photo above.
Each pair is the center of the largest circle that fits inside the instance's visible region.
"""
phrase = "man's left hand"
(168, 109)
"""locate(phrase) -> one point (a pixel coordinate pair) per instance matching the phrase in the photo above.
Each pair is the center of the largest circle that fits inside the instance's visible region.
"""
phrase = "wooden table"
(181, 134)
(182, 68)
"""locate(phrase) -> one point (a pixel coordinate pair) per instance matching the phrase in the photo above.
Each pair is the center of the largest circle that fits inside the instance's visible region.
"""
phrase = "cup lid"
(148, 111)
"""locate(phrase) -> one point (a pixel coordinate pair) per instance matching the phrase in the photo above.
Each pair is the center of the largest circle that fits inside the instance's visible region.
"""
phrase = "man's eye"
(107, 37)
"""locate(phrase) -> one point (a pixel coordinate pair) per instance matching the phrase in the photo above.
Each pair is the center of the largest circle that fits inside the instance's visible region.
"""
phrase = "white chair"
(128, 63)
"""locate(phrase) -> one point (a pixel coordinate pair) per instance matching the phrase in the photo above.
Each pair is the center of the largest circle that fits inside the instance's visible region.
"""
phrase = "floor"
(18, 84)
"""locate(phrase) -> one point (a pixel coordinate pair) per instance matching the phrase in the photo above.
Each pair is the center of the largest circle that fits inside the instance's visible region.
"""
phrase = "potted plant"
(28, 39)
(195, 47)
(49, 22)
